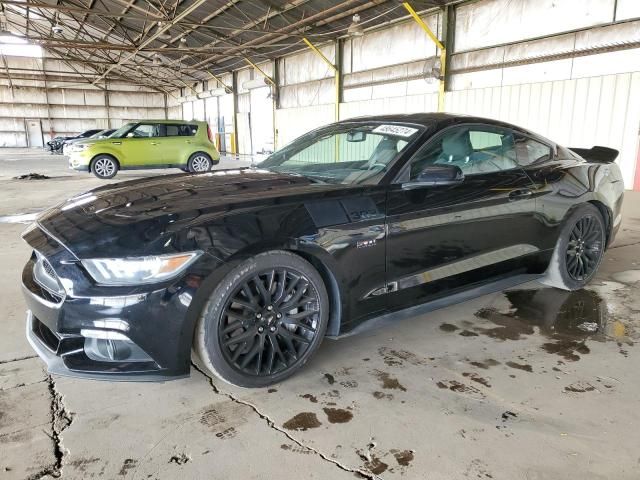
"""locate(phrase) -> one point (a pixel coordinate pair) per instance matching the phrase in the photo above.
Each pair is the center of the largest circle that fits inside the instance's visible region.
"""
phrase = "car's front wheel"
(104, 167)
(199, 162)
(579, 250)
(263, 321)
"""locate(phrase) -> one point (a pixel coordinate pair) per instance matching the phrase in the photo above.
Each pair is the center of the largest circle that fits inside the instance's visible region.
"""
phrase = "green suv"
(147, 144)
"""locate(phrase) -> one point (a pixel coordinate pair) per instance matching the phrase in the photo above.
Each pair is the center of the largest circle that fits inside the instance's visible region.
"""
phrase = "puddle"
(568, 319)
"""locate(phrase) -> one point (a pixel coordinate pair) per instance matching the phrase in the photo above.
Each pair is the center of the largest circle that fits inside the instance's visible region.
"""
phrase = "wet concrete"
(528, 384)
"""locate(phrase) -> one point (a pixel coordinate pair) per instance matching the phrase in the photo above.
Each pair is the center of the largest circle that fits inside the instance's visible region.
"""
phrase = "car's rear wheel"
(263, 321)
(199, 162)
(104, 167)
(579, 250)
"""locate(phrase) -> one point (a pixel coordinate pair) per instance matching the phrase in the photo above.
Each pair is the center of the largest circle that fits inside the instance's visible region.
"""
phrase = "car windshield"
(98, 134)
(121, 132)
(348, 153)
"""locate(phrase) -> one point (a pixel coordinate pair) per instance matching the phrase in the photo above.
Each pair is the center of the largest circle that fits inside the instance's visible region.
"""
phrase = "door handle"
(154, 143)
(520, 194)
(116, 143)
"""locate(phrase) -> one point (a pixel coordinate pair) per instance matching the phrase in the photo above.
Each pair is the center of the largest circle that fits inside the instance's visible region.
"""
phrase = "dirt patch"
(485, 364)
(127, 465)
(310, 397)
(468, 333)
(180, 459)
(579, 387)
(520, 366)
(403, 457)
(448, 327)
(330, 378)
(389, 382)
(302, 421)
(32, 176)
(477, 378)
(338, 415)
(382, 395)
(393, 358)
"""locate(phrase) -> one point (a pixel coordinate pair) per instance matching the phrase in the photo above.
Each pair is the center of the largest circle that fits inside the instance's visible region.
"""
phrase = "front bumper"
(78, 160)
(108, 333)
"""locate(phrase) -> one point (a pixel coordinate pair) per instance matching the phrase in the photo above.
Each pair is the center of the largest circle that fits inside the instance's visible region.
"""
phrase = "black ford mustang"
(252, 268)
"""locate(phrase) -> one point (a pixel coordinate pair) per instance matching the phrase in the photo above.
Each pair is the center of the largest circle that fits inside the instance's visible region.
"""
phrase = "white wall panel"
(583, 112)
(401, 43)
(627, 9)
(493, 22)
(293, 122)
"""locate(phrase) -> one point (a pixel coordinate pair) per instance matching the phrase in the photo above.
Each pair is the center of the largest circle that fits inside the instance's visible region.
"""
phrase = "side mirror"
(130, 135)
(436, 175)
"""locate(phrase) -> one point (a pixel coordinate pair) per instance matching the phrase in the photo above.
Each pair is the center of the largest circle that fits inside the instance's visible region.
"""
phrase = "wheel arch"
(607, 216)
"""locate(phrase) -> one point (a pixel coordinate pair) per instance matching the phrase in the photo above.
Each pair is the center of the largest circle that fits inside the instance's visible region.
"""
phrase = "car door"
(142, 146)
(444, 238)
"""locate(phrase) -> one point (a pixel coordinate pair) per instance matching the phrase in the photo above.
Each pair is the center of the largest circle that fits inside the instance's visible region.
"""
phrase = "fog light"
(112, 350)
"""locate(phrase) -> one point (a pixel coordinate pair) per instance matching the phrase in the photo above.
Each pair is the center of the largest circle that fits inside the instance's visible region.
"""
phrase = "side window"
(181, 130)
(481, 149)
(173, 130)
(145, 130)
(530, 151)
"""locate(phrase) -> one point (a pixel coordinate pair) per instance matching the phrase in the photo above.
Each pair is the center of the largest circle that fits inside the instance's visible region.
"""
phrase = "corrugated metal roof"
(168, 42)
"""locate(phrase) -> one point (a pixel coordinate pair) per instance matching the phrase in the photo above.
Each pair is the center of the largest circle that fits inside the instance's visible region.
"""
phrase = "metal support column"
(336, 72)
(441, 47)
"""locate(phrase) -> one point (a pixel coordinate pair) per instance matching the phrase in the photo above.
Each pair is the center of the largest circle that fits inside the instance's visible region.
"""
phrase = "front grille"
(46, 336)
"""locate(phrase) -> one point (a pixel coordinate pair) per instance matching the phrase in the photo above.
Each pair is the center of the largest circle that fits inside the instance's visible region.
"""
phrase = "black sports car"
(252, 268)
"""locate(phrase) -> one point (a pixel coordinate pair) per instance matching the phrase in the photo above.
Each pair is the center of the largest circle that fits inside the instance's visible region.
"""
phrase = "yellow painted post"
(443, 52)
(336, 73)
(217, 79)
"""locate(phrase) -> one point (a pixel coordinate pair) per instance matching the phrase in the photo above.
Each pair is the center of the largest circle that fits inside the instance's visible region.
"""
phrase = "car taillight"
(209, 134)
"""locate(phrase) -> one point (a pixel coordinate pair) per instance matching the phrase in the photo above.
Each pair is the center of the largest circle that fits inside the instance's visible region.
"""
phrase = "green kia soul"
(147, 144)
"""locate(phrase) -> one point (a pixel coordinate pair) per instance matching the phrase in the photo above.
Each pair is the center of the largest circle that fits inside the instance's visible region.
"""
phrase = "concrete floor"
(510, 386)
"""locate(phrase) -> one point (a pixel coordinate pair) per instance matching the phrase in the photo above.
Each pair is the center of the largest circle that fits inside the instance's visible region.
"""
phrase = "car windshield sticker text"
(397, 130)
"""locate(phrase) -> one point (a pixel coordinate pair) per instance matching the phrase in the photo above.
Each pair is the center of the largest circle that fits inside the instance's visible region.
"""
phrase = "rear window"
(181, 130)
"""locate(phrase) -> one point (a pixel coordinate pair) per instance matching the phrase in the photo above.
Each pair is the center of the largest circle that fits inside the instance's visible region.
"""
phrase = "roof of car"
(181, 122)
(440, 119)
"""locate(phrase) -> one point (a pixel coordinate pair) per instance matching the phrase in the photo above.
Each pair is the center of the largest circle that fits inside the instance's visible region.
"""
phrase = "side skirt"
(393, 317)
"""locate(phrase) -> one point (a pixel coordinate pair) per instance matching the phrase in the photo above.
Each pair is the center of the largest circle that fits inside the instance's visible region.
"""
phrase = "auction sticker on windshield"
(397, 130)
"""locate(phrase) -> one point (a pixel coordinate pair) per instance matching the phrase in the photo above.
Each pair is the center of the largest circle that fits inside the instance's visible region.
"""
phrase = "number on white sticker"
(397, 130)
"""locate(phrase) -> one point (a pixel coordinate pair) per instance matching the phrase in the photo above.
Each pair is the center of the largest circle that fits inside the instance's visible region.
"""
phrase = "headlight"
(138, 270)
(76, 147)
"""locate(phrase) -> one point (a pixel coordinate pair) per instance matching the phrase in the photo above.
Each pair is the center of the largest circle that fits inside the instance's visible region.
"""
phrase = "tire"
(199, 163)
(585, 225)
(243, 341)
(104, 167)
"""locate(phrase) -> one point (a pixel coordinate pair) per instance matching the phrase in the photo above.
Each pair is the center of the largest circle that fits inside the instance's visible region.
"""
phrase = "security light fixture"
(355, 29)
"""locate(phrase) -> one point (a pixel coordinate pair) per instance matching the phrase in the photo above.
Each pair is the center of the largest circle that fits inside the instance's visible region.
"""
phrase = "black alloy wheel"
(269, 322)
(263, 320)
(584, 248)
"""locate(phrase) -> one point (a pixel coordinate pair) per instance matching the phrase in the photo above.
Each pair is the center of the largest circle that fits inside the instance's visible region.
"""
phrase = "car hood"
(139, 217)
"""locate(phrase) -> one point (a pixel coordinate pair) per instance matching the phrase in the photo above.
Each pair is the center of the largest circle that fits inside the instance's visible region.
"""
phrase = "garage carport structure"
(185, 50)
(262, 73)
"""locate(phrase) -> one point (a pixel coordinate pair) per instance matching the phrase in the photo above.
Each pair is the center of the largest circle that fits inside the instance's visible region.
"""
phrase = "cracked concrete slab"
(178, 429)
(528, 384)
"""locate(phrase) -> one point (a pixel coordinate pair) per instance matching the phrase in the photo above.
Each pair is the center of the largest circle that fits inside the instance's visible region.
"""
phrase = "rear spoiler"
(597, 154)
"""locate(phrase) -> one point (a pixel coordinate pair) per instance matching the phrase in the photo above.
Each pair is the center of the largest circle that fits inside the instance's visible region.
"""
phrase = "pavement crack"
(272, 425)
(61, 419)
(18, 359)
